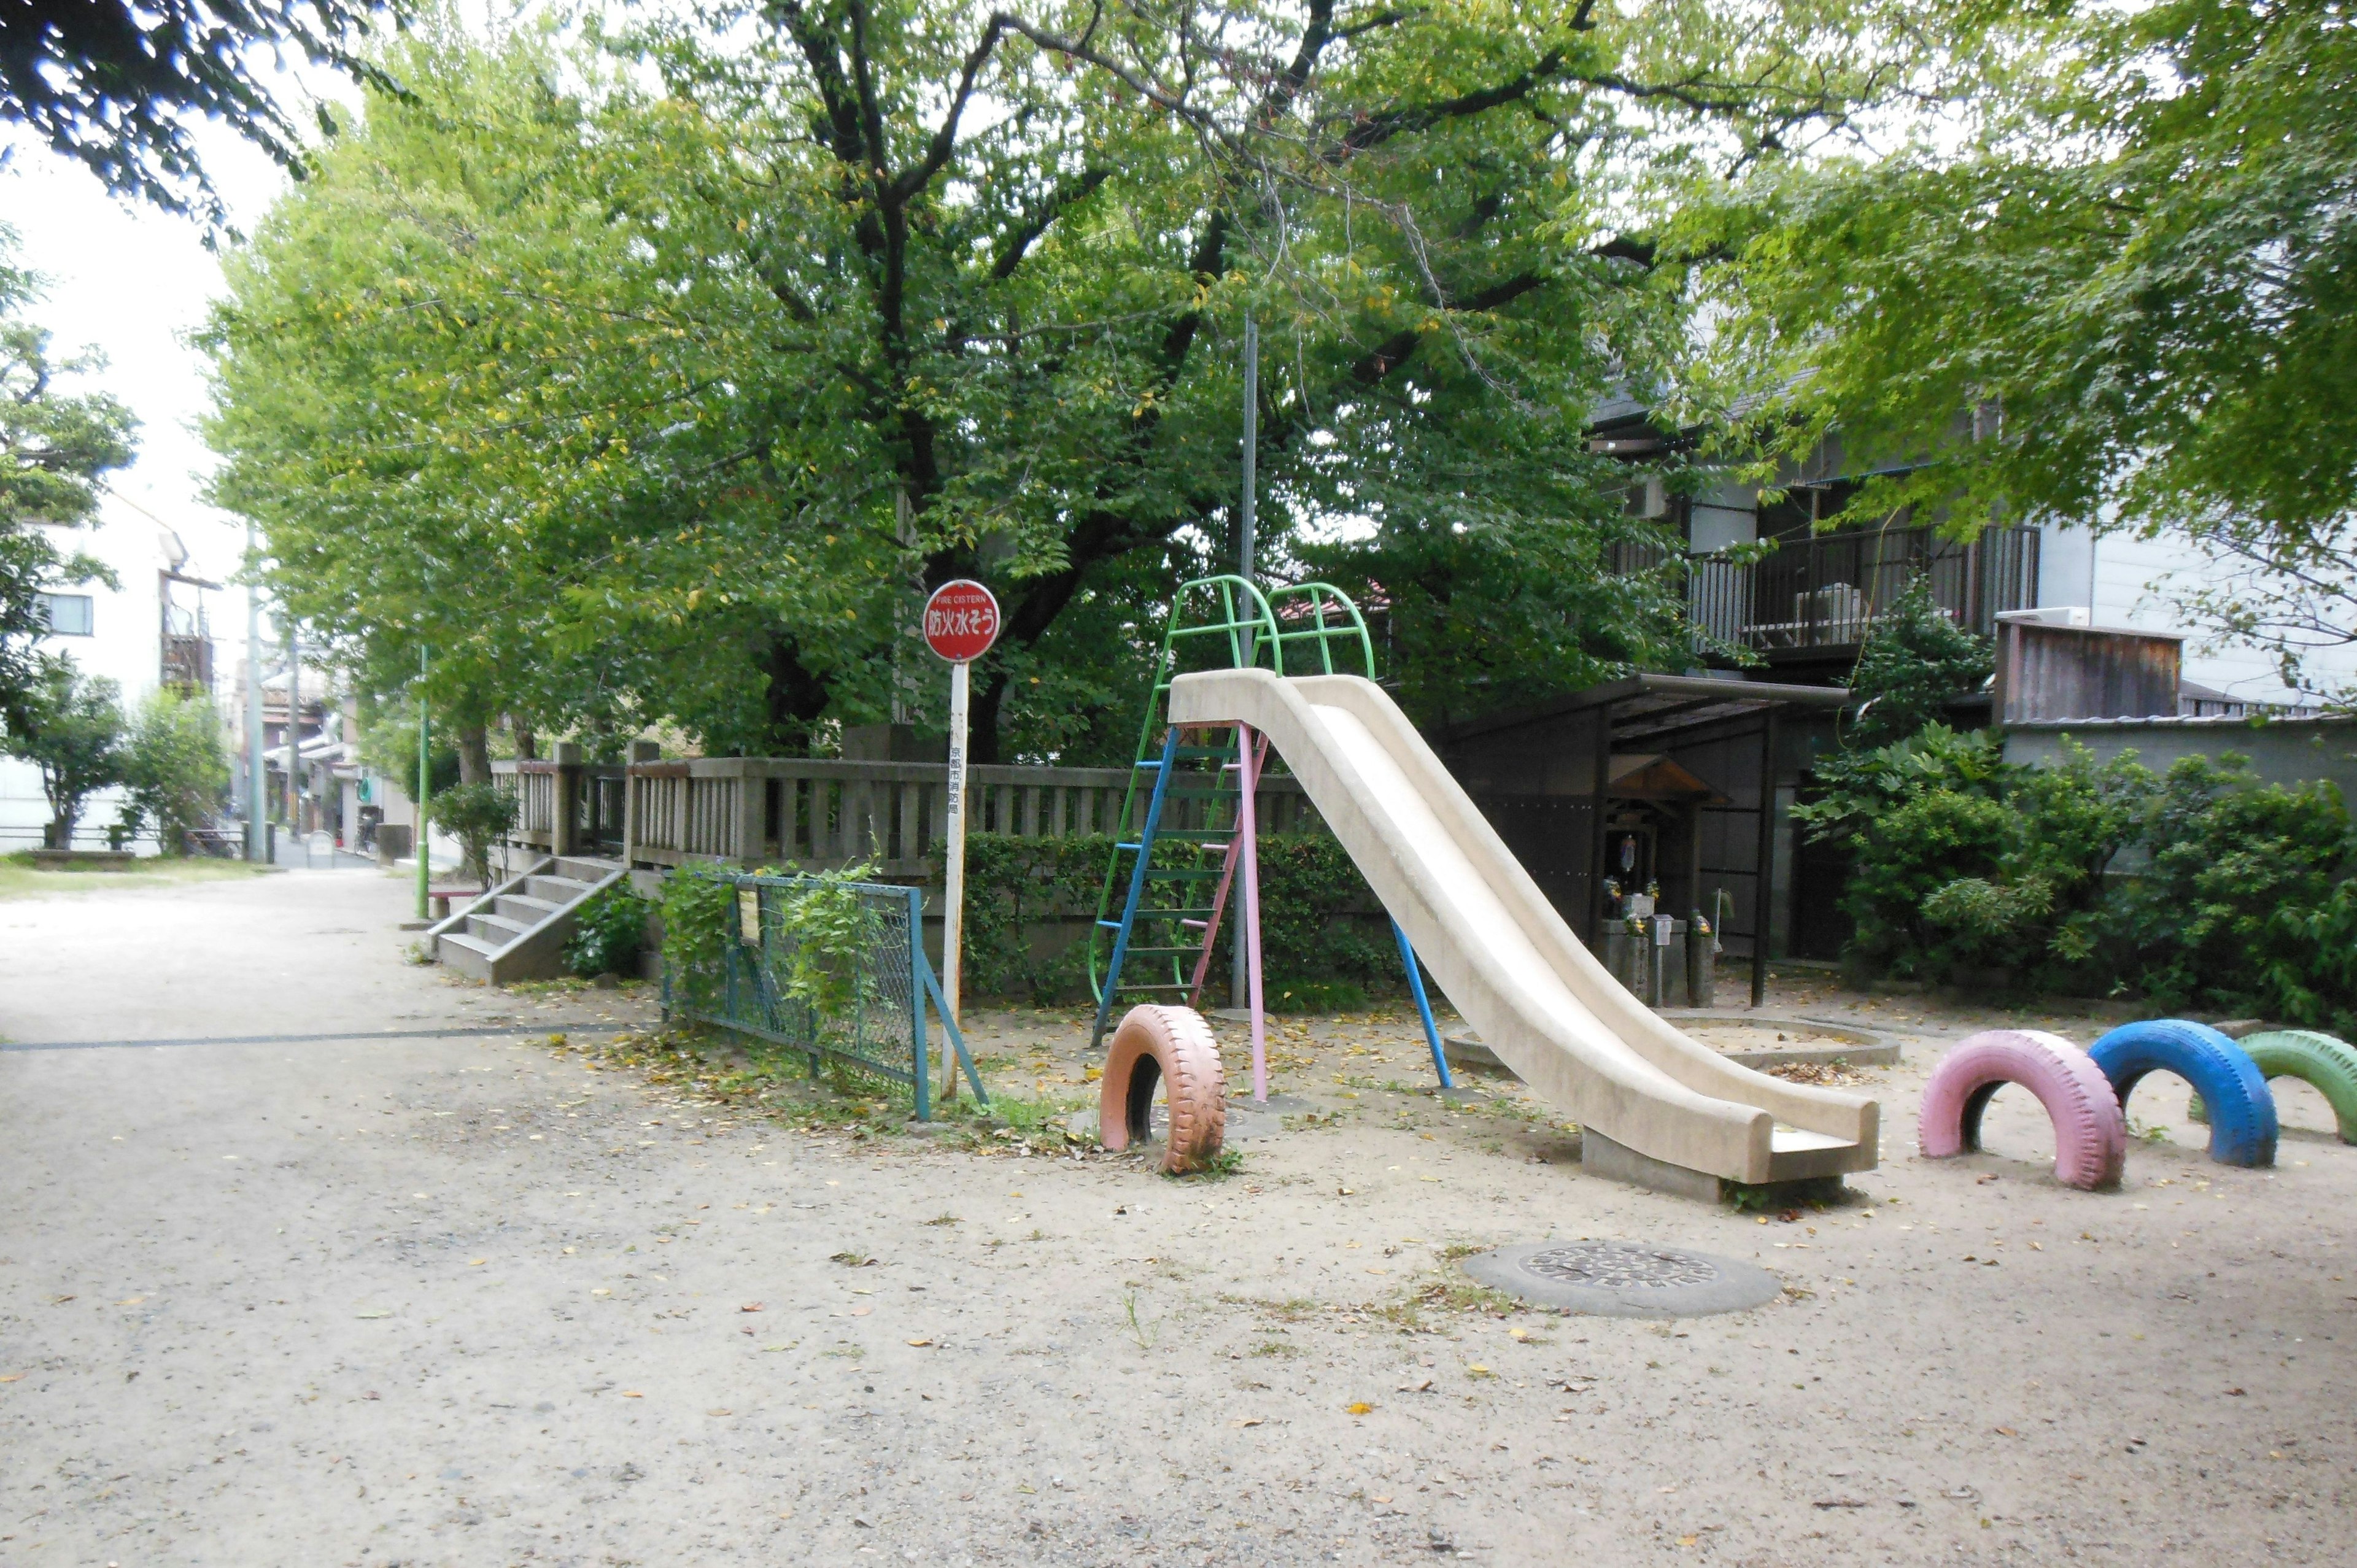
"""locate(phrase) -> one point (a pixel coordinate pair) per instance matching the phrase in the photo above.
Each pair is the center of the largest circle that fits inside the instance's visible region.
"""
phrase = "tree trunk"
(527, 743)
(474, 754)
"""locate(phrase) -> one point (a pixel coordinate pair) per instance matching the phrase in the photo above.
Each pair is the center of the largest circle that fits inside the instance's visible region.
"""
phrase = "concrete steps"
(518, 930)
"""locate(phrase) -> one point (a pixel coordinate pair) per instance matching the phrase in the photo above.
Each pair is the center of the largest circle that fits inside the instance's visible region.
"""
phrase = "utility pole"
(256, 839)
(1240, 976)
(424, 791)
(294, 728)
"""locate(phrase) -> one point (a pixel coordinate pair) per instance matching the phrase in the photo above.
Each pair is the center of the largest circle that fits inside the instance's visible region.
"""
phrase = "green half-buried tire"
(2326, 1064)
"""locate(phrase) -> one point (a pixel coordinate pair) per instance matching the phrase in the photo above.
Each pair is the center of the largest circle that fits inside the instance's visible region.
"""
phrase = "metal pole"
(953, 858)
(1766, 897)
(1242, 970)
(254, 837)
(424, 792)
(294, 728)
(1251, 448)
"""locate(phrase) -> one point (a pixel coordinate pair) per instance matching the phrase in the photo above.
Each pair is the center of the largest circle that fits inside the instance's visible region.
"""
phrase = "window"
(69, 615)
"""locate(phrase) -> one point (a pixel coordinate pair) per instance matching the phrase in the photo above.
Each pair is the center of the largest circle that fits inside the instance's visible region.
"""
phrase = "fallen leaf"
(750, 1307)
(372, 1394)
(378, 1312)
(1688, 1539)
(1358, 1407)
(920, 1343)
(1838, 1503)
(1421, 1387)
(719, 1410)
(13, 1377)
(632, 1394)
(1477, 1369)
(2006, 1432)
(1520, 1333)
(1248, 1421)
(59, 1299)
(476, 1263)
(2232, 1393)
(1024, 1487)
(601, 1291)
(1379, 1499)
(130, 1301)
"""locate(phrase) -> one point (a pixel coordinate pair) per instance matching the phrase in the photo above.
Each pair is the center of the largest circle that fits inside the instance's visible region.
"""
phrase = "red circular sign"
(961, 620)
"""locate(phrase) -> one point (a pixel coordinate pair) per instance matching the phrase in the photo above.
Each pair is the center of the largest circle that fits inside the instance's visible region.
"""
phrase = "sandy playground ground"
(472, 1297)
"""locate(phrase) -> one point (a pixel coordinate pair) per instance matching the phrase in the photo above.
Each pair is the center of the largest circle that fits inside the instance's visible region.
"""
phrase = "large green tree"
(57, 444)
(667, 398)
(2114, 283)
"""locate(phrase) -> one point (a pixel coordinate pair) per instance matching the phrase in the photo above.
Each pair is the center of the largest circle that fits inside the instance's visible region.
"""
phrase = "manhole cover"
(1617, 1265)
(1624, 1279)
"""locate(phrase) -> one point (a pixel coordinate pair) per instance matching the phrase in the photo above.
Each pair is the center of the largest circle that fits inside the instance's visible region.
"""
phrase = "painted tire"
(2328, 1064)
(2242, 1113)
(1156, 1043)
(2091, 1134)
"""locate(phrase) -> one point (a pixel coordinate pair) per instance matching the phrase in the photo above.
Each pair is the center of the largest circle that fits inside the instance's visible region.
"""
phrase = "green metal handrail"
(1319, 600)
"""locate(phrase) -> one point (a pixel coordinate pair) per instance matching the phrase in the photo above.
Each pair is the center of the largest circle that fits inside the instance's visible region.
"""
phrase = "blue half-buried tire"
(2241, 1112)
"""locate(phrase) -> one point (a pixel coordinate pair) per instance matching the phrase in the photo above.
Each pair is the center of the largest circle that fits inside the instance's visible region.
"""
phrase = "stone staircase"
(518, 929)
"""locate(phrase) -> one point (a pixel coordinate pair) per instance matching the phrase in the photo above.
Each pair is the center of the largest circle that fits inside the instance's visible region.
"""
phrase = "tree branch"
(1027, 234)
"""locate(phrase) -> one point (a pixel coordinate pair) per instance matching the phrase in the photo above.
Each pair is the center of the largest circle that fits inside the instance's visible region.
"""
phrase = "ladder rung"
(1109, 925)
(1188, 874)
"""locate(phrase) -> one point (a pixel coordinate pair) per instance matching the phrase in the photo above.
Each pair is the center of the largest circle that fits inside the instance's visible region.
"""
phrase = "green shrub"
(1315, 914)
(174, 767)
(2244, 890)
(476, 815)
(2203, 888)
(1914, 662)
(699, 919)
(607, 931)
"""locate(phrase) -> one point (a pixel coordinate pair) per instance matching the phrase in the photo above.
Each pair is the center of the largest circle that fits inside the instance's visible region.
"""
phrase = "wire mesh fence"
(830, 967)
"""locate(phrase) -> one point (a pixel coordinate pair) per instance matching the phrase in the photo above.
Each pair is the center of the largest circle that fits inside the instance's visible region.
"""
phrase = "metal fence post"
(920, 1047)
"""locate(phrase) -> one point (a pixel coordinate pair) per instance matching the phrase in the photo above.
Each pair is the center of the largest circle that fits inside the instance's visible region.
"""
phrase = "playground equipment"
(1174, 1046)
(2241, 1112)
(1188, 836)
(2327, 1064)
(1654, 1106)
(2091, 1131)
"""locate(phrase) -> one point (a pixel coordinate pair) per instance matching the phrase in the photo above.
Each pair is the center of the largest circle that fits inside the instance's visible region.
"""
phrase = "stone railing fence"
(818, 815)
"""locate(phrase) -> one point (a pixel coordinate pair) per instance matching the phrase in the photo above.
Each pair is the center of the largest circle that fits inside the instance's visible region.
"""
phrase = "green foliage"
(699, 919)
(2108, 278)
(71, 727)
(654, 376)
(2243, 880)
(174, 767)
(2200, 888)
(820, 933)
(1914, 661)
(1024, 894)
(55, 446)
(389, 744)
(1963, 864)
(829, 931)
(608, 929)
(477, 815)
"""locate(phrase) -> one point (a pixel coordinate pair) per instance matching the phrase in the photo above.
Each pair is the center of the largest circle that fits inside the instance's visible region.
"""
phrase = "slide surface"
(1505, 957)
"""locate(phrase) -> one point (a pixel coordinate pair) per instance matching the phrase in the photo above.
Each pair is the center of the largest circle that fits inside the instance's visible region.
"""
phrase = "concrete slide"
(1654, 1107)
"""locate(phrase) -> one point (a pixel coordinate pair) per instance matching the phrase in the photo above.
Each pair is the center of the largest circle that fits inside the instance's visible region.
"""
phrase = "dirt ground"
(464, 1296)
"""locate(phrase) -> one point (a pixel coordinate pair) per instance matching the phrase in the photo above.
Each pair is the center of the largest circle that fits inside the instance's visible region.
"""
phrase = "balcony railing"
(1828, 591)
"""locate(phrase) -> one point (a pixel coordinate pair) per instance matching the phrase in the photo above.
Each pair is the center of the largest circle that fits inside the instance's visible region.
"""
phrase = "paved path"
(467, 1300)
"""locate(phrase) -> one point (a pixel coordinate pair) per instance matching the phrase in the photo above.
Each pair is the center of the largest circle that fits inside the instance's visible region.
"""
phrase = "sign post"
(961, 624)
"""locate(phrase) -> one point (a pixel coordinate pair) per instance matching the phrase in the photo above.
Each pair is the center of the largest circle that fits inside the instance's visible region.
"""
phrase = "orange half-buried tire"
(1165, 1045)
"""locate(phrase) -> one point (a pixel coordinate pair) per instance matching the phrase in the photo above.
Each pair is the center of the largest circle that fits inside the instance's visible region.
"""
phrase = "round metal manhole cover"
(1625, 1279)
(1621, 1266)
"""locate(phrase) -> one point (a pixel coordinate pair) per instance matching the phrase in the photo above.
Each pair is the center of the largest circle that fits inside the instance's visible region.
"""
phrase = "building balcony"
(1819, 595)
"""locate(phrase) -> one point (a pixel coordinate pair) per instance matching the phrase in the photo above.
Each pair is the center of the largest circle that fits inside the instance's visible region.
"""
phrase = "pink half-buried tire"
(2091, 1133)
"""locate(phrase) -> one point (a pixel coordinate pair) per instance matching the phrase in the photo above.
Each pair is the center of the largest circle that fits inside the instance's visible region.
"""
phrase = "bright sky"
(132, 282)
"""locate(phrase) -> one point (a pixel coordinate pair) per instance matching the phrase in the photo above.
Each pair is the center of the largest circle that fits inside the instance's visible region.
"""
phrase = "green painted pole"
(424, 792)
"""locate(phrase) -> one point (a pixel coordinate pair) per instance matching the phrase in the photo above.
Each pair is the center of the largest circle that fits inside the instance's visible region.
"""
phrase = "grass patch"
(20, 878)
